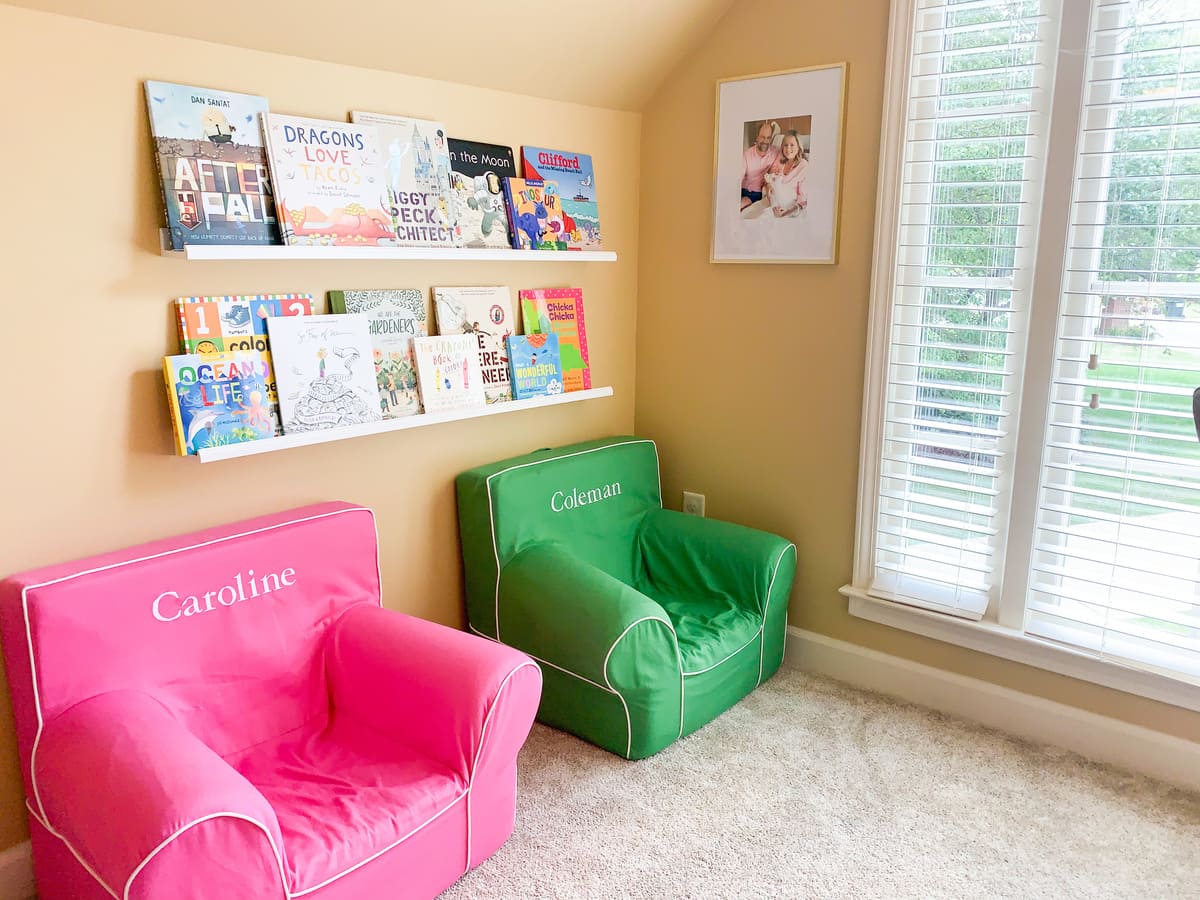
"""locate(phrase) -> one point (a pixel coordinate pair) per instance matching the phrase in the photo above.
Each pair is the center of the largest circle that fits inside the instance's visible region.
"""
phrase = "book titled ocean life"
(215, 324)
(448, 369)
(324, 371)
(536, 365)
(211, 164)
(330, 186)
(416, 160)
(476, 173)
(576, 179)
(560, 311)
(396, 317)
(218, 399)
(485, 313)
(534, 214)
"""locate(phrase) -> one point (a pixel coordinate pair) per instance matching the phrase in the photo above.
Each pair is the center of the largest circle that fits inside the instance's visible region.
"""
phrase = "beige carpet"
(810, 788)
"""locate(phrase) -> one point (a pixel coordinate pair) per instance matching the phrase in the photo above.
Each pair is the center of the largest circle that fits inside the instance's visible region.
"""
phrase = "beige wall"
(750, 376)
(86, 456)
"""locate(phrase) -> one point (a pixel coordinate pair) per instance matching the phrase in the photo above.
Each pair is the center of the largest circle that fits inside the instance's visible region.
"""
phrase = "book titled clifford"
(576, 180)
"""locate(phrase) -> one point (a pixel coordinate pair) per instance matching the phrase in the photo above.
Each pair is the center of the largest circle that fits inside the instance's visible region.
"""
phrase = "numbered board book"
(237, 322)
(396, 317)
(324, 372)
(218, 399)
(416, 158)
(560, 311)
(330, 187)
(211, 164)
(534, 214)
(487, 314)
(536, 365)
(448, 369)
(576, 180)
(234, 321)
(476, 173)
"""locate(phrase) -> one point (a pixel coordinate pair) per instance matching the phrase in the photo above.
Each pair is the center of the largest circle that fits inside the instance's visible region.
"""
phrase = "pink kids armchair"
(231, 715)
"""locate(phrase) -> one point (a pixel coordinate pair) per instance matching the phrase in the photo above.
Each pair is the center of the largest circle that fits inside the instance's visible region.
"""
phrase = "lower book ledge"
(288, 441)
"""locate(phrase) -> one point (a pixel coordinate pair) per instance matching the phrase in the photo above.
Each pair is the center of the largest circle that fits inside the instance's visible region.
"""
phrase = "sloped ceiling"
(610, 53)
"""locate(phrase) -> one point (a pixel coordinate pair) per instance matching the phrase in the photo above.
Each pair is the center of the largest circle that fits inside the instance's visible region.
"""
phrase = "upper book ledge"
(295, 251)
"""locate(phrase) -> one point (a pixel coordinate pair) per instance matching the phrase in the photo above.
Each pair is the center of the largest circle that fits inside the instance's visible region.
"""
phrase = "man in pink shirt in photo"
(756, 160)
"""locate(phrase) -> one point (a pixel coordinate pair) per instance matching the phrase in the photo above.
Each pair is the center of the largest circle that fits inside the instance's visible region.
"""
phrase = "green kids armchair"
(647, 623)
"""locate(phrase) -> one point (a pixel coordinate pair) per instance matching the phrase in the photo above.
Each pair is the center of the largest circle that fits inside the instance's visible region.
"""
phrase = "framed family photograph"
(778, 166)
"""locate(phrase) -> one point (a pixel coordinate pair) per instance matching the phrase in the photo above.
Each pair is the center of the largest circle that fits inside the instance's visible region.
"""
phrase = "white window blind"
(1116, 558)
(977, 101)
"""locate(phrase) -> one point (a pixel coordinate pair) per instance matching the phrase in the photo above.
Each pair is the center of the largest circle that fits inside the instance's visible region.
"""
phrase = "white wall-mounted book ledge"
(288, 441)
(294, 251)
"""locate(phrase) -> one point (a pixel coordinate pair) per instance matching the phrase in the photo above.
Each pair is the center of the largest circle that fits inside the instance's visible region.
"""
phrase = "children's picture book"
(396, 317)
(237, 322)
(416, 160)
(448, 369)
(476, 173)
(330, 186)
(576, 180)
(487, 314)
(535, 364)
(211, 165)
(560, 311)
(218, 399)
(534, 214)
(324, 371)
(234, 321)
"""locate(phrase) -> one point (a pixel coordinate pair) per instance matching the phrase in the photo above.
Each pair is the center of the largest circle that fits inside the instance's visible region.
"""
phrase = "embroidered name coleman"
(169, 606)
(561, 500)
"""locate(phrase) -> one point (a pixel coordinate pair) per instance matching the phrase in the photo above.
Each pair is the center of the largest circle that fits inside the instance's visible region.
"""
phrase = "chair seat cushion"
(710, 627)
(343, 793)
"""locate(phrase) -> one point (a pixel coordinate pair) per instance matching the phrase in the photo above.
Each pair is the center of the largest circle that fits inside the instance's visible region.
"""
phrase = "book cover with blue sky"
(212, 168)
(576, 180)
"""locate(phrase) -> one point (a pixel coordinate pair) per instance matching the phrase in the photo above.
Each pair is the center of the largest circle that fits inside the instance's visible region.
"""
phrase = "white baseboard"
(1097, 737)
(16, 873)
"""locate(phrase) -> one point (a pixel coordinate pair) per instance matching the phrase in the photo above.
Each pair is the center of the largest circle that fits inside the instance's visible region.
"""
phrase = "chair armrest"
(681, 553)
(120, 780)
(456, 697)
(572, 615)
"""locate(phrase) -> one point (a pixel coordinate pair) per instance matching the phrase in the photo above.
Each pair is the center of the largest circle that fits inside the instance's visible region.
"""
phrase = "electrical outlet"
(693, 504)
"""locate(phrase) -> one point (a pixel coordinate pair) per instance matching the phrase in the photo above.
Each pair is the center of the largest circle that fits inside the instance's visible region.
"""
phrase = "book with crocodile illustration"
(323, 371)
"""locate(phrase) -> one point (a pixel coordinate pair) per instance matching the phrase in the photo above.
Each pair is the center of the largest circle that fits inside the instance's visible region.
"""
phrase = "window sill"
(1008, 643)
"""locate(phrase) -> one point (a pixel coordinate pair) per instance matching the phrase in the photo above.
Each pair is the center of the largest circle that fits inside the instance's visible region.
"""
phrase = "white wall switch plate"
(693, 504)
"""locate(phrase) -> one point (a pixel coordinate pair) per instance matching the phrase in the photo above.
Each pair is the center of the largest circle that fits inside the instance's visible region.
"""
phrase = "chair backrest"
(588, 497)
(225, 627)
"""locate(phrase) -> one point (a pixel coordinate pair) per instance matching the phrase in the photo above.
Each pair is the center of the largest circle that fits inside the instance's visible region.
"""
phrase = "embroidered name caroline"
(561, 500)
(170, 605)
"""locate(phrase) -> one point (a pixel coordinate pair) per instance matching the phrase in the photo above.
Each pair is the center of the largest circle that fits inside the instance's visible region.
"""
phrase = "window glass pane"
(972, 167)
(1116, 565)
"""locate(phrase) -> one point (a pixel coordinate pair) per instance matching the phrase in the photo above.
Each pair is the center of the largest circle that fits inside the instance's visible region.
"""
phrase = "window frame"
(1000, 631)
